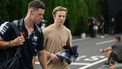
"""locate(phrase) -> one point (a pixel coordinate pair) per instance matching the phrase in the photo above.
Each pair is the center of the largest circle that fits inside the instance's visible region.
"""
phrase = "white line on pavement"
(104, 42)
(81, 57)
(80, 39)
(97, 62)
(80, 63)
(72, 63)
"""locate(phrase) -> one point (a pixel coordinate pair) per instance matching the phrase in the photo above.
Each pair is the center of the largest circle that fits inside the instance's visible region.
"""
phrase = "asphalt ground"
(89, 55)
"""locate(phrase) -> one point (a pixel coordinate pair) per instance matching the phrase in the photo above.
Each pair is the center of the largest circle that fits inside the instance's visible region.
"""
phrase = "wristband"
(10, 44)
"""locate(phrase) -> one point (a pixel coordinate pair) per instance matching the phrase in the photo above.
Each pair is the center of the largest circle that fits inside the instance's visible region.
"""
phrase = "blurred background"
(80, 12)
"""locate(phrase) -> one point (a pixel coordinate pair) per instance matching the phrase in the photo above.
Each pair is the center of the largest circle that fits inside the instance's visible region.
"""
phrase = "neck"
(28, 22)
(58, 25)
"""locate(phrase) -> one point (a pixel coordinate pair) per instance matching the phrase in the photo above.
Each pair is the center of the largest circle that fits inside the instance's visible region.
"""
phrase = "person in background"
(114, 52)
(56, 36)
(101, 27)
(112, 26)
(91, 30)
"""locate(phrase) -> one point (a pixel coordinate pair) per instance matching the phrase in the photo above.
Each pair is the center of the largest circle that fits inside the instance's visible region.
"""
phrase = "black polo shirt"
(33, 42)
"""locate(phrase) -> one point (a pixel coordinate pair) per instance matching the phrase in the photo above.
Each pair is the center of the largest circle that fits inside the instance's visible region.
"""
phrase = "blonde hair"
(59, 8)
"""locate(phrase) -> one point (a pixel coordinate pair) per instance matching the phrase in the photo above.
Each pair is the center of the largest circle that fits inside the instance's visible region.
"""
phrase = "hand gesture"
(18, 41)
(101, 50)
(53, 57)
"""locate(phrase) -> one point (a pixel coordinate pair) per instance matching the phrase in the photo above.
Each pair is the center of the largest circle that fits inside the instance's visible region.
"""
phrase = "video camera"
(69, 54)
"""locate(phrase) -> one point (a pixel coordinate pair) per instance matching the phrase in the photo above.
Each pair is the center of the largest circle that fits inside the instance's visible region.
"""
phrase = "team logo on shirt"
(35, 38)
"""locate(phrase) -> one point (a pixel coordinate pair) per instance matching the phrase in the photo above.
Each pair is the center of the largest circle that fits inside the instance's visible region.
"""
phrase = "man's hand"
(11, 43)
(106, 49)
(53, 57)
(18, 41)
(101, 50)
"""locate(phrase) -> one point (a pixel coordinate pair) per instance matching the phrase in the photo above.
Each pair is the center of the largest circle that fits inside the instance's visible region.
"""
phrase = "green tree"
(12, 9)
(78, 11)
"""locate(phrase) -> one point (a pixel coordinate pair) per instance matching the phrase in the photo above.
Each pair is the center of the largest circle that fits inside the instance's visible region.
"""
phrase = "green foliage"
(78, 11)
(50, 5)
(82, 15)
(12, 9)
(3, 10)
(96, 7)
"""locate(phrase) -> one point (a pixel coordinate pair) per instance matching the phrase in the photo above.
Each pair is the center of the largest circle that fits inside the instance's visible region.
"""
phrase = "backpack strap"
(17, 31)
(14, 25)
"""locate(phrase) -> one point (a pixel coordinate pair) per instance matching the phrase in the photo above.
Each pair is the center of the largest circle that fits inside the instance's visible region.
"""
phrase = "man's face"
(37, 15)
(59, 17)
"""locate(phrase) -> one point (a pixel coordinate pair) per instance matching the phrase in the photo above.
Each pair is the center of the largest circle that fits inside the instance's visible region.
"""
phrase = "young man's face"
(59, 17)
(37, 15)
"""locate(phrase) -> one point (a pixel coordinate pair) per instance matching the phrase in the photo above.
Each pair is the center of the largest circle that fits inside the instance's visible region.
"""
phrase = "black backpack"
(14, 62)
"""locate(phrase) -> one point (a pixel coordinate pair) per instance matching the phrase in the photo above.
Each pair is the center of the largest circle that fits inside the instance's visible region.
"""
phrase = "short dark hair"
(117, 37)
(36, 4)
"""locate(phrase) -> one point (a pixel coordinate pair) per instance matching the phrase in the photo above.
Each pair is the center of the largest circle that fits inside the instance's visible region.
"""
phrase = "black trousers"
(114, 57)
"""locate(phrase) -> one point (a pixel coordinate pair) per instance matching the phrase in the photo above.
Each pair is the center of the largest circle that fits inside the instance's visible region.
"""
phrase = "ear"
(31, 11)
(53, 16)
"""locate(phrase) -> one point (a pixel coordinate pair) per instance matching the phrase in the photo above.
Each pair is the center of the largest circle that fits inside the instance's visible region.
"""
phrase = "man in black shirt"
(115, 51)
(30, 38)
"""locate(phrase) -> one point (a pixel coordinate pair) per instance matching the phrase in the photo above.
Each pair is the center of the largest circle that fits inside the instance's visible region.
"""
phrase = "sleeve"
(113, 47)
(5, 31)
(40, 45)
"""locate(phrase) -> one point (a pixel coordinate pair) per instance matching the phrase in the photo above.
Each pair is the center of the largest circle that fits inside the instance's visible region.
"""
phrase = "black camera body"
(69, 54)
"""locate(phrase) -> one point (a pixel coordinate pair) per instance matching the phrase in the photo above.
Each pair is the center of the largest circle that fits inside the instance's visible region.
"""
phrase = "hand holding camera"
(69, 54)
